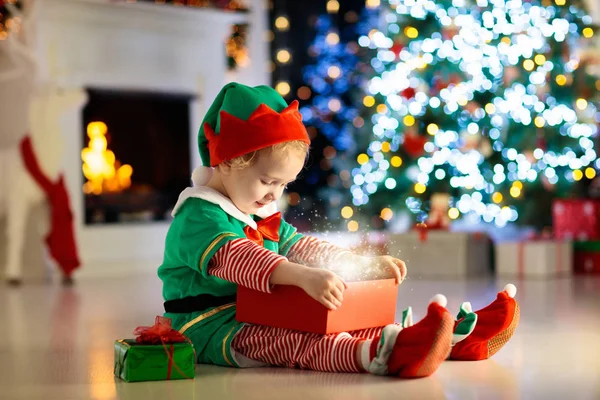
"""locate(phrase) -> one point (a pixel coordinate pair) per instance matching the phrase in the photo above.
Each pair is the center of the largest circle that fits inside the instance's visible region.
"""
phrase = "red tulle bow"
(160, 333)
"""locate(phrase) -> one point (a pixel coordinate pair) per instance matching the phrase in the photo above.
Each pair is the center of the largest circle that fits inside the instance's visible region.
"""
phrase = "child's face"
(254, 187)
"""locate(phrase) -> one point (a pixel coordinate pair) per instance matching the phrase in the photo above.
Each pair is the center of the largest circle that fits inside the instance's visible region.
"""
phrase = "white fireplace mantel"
(103, 44)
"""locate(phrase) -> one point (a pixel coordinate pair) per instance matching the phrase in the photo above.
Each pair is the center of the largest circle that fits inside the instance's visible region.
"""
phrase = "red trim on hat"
(264, 128)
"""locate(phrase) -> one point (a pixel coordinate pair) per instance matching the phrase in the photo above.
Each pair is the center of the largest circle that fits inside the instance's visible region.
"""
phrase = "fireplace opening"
(136, 155)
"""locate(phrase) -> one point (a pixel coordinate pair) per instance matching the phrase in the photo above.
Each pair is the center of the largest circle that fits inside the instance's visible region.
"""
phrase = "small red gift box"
(576, 219)
(586, 262)
(366, 304)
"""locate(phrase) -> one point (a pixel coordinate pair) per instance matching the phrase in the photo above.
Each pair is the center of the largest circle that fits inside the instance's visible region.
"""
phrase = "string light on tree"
(283, 56)
(334, 72)
(590, 173)
(304, 93)
(333, 6)
(283, 88)
(282, 23)
(386, 214)
(332, 38)
(372, 3)
(453, 213)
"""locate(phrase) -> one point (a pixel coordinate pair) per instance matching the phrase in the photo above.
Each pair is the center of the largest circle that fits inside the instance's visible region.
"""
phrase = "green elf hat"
(243, 119)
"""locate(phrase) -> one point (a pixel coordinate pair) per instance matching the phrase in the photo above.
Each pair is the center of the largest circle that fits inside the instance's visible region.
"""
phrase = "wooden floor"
(57, 343)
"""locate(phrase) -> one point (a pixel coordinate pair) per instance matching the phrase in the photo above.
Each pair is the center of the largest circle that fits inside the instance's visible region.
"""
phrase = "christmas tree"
(490, 102)
(330, 78)
(327, 112)
(329, 108)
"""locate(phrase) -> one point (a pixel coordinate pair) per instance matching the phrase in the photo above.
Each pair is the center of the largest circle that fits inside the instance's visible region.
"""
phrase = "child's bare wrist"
(288, 273)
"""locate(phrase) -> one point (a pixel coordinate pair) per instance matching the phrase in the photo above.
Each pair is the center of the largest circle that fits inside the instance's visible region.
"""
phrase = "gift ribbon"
(559, 264)
(163, 333)
(170, 367)
(423, 232)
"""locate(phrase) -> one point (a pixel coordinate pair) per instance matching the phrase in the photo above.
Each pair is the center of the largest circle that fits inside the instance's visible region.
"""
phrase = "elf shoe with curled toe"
(415, 351)
(495, 325)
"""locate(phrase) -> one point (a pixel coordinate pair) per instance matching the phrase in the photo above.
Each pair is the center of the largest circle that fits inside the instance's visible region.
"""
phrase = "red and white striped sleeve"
(313, 252)
(244, 262)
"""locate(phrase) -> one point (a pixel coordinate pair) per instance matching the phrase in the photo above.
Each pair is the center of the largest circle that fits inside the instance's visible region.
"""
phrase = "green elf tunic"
(204, 220)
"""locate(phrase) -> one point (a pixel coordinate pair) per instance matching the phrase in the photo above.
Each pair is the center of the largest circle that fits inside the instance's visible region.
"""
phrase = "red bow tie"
(265, 228)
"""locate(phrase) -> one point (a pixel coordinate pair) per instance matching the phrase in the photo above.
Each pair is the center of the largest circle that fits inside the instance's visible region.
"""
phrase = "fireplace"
(136, 158)
(146, 70)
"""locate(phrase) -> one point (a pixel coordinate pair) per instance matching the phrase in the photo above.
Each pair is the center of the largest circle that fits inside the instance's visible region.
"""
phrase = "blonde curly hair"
(248, 160)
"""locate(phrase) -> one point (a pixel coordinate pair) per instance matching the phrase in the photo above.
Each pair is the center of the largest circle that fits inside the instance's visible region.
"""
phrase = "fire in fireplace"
(136, 155)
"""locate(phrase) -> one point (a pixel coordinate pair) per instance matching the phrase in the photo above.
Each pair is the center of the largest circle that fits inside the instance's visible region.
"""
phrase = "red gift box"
(576, 219)
(586, 262)
(366, 304)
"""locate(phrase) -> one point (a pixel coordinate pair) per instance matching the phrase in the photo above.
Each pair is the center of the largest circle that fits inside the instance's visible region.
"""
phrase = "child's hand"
(324, 286)
(389, 267)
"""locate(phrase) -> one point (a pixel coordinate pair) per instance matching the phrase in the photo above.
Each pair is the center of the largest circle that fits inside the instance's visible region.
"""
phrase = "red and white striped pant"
(293, 349)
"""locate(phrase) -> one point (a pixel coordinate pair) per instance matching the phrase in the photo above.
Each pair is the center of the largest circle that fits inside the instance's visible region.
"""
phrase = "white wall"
(83, 43)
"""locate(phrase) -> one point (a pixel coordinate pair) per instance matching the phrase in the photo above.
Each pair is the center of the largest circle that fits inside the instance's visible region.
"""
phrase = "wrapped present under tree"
(576, 219)
(586, 258)
(441, 253)
(534, 258)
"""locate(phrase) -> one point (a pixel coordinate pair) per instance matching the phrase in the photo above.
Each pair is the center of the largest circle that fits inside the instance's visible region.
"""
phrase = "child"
(224, 233)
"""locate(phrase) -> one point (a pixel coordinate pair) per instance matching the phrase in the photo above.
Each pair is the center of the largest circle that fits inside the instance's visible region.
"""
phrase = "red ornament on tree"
(397, 48)
(440, 84)
(408, 93)
(540, 142)
(455, 79)
(413, 144)
(510, 75)
(449, 32)
(472, 106)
